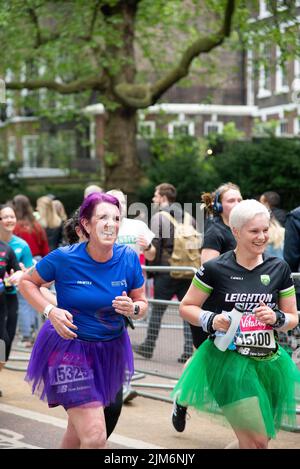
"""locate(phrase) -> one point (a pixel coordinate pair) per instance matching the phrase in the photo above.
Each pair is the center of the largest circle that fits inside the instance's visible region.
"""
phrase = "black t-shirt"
(219, 236)
(8, 261)
(228, 283)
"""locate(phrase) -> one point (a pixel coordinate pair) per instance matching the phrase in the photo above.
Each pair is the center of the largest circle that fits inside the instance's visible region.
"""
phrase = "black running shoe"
(179, 417)
(184, 357)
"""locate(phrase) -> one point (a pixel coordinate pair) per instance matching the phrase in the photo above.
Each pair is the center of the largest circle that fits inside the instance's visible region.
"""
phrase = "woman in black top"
(218, 238)
(254, 381)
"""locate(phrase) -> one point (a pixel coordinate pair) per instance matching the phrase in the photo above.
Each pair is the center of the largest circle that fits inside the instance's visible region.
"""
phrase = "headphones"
(217, 206)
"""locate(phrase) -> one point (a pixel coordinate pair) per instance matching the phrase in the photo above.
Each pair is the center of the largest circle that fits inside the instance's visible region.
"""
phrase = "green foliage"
(256, 166)
(179, 161)
(70, 41)
(261, 165)
(71, 195)
(265, 129)
(9, 181)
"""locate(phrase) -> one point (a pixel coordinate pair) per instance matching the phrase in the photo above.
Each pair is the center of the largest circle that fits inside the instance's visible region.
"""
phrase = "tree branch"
(39, 39)
(76, 86)
(95, 12)
(142, 96)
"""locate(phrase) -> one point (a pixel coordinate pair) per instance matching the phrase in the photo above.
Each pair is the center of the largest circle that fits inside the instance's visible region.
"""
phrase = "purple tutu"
(76, 372)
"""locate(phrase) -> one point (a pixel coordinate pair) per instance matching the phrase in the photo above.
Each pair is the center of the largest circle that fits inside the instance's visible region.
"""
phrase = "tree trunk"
(121, 164)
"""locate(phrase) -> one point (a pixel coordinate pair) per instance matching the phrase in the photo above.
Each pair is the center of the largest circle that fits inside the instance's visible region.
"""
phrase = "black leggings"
(8, 321)
(112, 413)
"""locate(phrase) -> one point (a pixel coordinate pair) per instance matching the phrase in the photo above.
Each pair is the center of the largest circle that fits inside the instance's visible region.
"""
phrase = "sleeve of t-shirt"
(49, 265)
(136, 278)
(287, 287)
(212, 239)
(203, 278)
(26, 257)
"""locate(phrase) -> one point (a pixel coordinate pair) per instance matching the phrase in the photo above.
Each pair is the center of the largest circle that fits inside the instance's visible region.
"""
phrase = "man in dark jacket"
(159, 252)
(291, 250)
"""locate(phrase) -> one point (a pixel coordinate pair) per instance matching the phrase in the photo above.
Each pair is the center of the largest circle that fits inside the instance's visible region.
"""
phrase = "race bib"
(254, 338)
(69, 374)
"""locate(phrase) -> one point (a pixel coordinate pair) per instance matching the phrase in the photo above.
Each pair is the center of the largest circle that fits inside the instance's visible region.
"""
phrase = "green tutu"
(252, 394)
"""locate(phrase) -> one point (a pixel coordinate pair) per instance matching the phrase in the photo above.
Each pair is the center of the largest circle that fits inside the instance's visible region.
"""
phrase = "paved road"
(25, 421)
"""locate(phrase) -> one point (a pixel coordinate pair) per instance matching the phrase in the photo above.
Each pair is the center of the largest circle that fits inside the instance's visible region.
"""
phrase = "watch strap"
(47, 310)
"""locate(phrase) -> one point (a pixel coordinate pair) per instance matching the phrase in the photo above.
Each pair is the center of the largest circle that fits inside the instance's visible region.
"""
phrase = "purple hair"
(90, 202)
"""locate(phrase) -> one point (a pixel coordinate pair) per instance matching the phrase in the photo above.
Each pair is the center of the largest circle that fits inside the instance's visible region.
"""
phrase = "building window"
(297, 68)
(10, 109)
(11, 148)
(59, 149)
(181, 128)
(30, 151)
(264, 81)
(282, 128)
(263, 9)
(266, 7)
(146, 129)
(282, 85)
(213, 127)
(297, 125)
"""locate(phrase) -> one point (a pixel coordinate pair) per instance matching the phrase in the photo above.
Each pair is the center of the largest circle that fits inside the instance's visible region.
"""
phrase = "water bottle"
(223, 341)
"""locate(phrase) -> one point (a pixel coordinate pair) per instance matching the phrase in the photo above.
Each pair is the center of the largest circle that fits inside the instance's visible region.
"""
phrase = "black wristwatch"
(136, 310)
(280, 319)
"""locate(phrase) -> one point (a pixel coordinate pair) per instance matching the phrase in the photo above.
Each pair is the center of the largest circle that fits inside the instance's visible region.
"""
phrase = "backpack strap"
(170, 218)
(187, 219)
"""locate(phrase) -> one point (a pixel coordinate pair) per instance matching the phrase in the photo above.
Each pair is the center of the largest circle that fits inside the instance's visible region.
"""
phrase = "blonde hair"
(245, 211)
(48, 215)
(276, 234)
(60, 209)
(90, 189)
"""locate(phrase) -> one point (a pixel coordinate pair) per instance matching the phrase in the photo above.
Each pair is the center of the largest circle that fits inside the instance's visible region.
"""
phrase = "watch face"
(136, 309)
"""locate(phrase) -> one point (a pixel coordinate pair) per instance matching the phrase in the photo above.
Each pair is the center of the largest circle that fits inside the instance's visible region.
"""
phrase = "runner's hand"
(62, 320)
(123, 304)
(265, 314)
(221, 322)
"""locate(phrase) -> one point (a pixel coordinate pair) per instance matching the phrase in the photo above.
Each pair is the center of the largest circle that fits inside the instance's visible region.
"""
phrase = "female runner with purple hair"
(83, 355)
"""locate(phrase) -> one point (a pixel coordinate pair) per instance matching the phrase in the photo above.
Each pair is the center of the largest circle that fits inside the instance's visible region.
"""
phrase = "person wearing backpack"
(160, 252)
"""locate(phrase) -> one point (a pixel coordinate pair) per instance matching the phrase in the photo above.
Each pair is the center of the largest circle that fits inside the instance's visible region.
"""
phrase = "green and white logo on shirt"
(265, 279)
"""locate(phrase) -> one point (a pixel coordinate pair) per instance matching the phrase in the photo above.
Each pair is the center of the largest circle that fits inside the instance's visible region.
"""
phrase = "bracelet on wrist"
(210, 328)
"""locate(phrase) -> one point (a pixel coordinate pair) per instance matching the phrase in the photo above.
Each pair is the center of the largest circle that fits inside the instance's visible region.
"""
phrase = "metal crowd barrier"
(163, 363)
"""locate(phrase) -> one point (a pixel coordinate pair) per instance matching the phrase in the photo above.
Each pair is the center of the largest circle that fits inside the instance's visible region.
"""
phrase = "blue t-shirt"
(86, 288)
(23, 254)
(22, 250)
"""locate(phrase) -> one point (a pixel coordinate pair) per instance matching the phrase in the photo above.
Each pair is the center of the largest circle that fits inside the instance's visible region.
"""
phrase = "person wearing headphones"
(218, 239)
